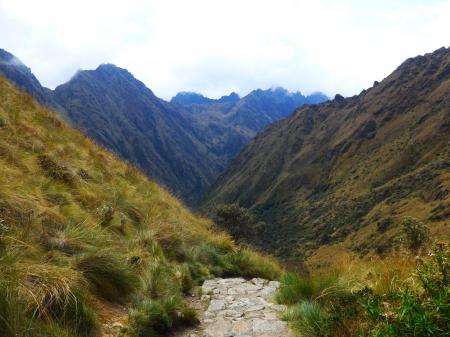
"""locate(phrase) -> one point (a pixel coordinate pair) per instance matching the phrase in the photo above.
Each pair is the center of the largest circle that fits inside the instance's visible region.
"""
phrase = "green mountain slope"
(346, 171)
(85, 237)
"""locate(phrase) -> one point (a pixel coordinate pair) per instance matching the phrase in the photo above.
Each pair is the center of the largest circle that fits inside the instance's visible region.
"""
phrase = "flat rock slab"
(235, 307)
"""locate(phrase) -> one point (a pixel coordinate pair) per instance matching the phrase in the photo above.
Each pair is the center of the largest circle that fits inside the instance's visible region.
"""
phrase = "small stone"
(279, 307)
(205, 298)
(216, 305)
(274, 284)
(117, 326)
(257, 307)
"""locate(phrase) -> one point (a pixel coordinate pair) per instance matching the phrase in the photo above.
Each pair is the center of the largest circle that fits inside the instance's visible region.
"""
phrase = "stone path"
(239, 308)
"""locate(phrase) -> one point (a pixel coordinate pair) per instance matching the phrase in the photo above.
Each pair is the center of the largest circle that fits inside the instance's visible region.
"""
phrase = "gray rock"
(216, 305)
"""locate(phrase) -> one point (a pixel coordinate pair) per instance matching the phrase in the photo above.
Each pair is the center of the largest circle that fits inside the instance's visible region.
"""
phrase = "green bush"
(414, 234)
(238, 221)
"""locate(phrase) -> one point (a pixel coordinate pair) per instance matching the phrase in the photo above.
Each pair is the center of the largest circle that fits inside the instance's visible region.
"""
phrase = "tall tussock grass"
(82, 232)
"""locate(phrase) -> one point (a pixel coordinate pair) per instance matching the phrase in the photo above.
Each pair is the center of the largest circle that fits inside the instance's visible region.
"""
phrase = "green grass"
(309, 319)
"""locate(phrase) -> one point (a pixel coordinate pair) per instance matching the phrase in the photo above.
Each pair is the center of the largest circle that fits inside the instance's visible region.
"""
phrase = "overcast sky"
(215, 47)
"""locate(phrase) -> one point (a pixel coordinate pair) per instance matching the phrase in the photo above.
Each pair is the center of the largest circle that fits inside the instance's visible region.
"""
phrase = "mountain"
(122, 114)
(229, 123)
(196, 98)
(88, 242)
(261, 108)
(13, 69)
(343, 174)
(184, 144)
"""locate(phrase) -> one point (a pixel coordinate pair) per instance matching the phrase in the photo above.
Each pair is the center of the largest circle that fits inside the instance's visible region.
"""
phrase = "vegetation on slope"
(82, 233)
(402, 295)
(342, 174)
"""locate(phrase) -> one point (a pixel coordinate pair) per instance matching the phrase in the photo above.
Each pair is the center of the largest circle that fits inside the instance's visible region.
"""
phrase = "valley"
(273, 214)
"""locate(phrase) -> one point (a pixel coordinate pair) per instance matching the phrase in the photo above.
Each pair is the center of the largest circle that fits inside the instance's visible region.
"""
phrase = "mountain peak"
(13, 61)
(189, 97)
(232, 97)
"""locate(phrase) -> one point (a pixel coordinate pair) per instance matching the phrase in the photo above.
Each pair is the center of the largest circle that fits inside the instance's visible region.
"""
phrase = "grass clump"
(108, 275)
(309, 319)
(295, 288)
(157, 317)
(247, 263)
(56, 171)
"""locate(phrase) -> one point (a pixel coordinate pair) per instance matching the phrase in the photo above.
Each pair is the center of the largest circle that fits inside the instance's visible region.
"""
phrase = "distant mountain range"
(345, 172)
(184, 144)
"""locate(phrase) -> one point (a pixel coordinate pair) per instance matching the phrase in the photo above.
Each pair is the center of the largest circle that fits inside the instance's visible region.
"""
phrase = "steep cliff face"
(347, 170)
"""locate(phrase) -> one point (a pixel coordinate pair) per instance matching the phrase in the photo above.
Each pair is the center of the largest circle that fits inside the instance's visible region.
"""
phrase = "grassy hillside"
(85, 238)
(342, 175)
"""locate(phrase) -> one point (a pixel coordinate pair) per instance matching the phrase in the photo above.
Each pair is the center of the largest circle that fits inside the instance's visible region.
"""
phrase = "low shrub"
(414, 235)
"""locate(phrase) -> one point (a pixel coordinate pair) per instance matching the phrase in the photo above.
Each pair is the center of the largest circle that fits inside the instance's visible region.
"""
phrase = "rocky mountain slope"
(345, 172)
(89, 243)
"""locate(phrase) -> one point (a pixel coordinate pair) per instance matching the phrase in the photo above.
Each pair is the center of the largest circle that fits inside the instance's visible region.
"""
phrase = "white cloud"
(215, 47)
